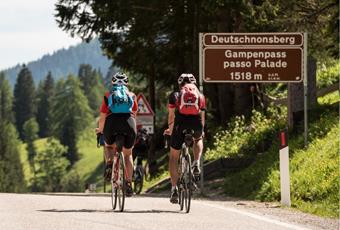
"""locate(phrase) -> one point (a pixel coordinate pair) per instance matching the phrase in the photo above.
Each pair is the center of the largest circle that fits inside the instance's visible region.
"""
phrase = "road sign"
(144, 107)
(253, 39)
(145, 114)
(252, 57)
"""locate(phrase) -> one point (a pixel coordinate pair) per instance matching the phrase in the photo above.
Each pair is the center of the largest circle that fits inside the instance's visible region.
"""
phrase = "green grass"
(328, 73)
(329, 98)
(314, 171)
(40, 145)
(90, 166)
(315, 176)
(244, 137)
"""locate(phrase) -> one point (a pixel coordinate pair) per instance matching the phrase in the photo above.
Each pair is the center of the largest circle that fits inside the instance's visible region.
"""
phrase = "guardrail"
(283, 101)
(212, 169)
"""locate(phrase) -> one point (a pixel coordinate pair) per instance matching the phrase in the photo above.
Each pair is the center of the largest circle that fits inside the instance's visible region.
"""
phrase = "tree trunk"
(242, 99)
(152, 153)
(225, 96)
(234, 99)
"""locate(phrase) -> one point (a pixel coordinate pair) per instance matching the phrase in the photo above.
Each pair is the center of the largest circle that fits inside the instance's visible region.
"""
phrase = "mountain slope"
(64, 62)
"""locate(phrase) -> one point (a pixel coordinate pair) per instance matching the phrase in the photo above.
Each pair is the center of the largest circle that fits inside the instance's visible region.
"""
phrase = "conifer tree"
(51, 167)
(92, 85)
(24, 99)
(70, 114)
(31, 130)
(45, 94)
(11, 172)
(6, 99)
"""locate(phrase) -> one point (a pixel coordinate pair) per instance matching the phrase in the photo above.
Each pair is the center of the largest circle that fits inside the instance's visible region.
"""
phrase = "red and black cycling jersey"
(174, 101)
(104, 108)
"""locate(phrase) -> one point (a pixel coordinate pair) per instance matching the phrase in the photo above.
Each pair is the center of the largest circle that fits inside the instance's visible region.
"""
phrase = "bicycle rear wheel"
(187, 183)
(180, 186)
(138, 180)
(114, 183)
(118, 185)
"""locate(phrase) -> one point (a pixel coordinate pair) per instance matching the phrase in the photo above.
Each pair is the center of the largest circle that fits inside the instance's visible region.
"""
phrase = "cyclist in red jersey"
(113, 120)
(185, 115)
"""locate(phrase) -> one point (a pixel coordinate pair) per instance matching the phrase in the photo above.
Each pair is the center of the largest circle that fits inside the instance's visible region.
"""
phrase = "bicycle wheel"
(118, 183)
(187, 183)
(181, 197)
(121, 185)
(104, 164)
(180, 185)
(138, 180)
(114, 183)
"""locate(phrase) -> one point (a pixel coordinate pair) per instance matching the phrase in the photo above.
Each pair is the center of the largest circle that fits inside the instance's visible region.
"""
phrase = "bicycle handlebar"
(100, 140)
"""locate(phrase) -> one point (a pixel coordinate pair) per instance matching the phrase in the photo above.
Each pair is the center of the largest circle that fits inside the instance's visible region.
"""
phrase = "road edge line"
(258, 217)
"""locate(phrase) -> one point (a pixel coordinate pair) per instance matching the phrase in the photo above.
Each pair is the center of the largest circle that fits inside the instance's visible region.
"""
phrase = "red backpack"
(189, 100)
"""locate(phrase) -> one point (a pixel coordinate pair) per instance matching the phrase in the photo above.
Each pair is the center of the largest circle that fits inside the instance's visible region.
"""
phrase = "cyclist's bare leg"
(173, 165)
(197, 149)
(109, 151)
(128, 163)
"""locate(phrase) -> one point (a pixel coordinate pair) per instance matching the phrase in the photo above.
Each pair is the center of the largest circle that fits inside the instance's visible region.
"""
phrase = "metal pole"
(200, 43)
(305, 88)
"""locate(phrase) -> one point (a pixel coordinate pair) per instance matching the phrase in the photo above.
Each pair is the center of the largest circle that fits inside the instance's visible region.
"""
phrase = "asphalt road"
(27, 211)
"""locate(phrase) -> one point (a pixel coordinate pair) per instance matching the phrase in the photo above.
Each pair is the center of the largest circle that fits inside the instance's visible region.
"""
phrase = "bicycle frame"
(118, 175)
(185, 174)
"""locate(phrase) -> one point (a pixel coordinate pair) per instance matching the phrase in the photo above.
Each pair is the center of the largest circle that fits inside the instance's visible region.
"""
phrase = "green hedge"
(242, 137)
(328, 73)
(314, 171)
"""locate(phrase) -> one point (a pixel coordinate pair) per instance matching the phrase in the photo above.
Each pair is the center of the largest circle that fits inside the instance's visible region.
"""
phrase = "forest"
(52, 119)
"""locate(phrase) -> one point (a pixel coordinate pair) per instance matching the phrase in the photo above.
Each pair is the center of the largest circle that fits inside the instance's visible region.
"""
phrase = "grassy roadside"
(89, 168)
(40, 145)
(314, 171)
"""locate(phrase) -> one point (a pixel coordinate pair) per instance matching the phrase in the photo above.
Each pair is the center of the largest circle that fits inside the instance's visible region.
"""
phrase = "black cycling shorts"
(181, 123)
(120, 124)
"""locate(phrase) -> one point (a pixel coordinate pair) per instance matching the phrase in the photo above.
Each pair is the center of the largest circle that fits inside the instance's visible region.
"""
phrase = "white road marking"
(258, 217)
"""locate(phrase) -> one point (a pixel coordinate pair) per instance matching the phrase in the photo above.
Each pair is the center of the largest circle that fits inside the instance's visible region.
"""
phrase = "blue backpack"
(119, 101)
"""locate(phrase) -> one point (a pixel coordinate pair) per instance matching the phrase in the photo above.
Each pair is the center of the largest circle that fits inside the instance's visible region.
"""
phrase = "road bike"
(118, 175)
(186, 181)
(140, 150)
(138, 175)
(118, 183)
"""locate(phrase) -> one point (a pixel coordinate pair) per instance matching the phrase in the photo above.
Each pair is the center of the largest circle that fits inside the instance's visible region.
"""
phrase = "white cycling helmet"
(187, 78)
(120, 79)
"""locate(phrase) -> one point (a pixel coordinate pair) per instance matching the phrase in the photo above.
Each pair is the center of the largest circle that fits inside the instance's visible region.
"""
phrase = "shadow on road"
(107, 211)
(73, 210)
(151, 211)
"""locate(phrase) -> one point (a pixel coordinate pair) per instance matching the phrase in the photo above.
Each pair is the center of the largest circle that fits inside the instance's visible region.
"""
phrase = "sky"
(28, 31)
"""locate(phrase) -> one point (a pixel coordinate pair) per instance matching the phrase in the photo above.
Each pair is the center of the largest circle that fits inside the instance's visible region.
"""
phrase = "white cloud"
(28, 31)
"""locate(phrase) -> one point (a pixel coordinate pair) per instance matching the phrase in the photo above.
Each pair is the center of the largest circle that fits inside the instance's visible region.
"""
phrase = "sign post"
(258, 58)
(200, 39)
(305, 91)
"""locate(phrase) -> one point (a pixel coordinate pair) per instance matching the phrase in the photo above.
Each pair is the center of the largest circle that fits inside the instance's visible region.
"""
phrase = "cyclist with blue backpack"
(186, 112)
(118, 116)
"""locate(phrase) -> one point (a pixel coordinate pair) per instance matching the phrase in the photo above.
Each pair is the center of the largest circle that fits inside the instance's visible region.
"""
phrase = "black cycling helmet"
(120, 79)
(186, 78)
